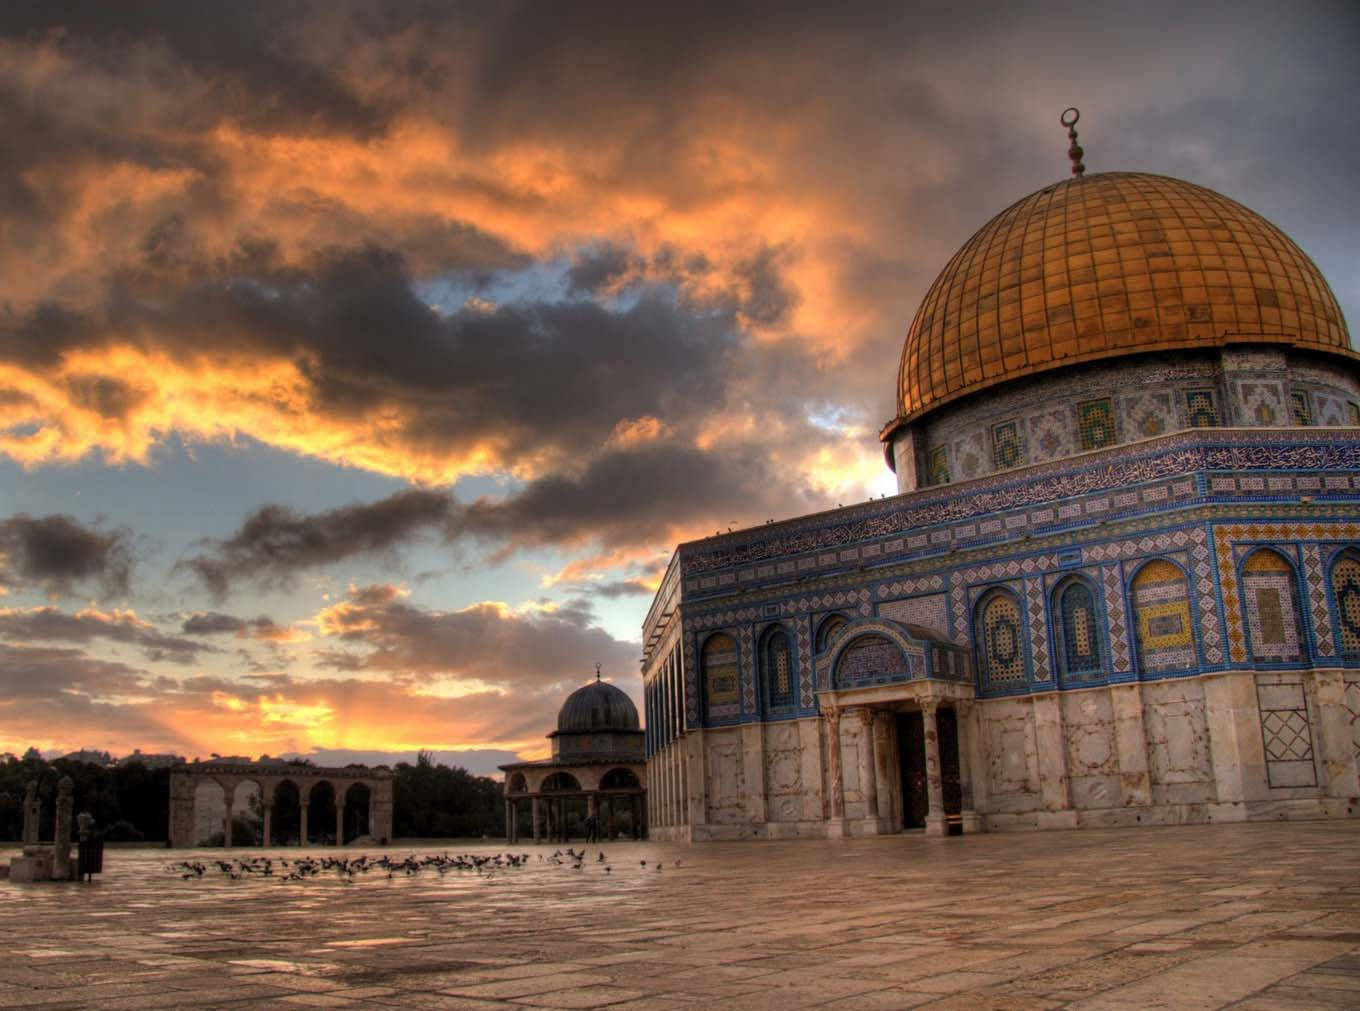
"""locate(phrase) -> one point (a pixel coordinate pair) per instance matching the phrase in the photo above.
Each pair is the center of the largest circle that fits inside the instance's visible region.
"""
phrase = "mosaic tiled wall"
(870, 660)
(1078, 634)
(722, 676)
(929, 611)
(1002, 645)
(778, 670)
(1271, 602)
(1063, 414)
(1161, 608)
(1345, 585)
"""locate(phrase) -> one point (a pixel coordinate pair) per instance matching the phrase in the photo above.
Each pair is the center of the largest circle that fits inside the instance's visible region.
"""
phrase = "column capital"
(930, 706)
(866, 715)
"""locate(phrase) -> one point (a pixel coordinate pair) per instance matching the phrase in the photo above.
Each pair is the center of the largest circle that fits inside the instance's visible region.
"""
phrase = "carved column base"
(937, 823)
(972, 823)
(836, 828)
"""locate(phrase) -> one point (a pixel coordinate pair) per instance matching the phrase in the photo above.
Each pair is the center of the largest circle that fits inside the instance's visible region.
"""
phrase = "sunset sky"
(362, 364)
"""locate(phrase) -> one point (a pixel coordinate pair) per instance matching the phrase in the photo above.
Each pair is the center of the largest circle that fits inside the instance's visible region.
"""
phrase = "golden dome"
(1106, 265)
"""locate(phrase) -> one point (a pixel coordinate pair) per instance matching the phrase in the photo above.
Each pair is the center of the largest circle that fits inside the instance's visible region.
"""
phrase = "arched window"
(999, 639)
(722, 675)
(870, 660)
(1077, 630)
(776, 668)
(1270, 600)
(1161, 607)
(826, 631)
(1346, 593)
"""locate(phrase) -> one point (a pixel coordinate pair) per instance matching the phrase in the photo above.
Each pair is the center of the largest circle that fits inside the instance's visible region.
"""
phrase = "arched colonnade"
(563, 798)
(273, 783)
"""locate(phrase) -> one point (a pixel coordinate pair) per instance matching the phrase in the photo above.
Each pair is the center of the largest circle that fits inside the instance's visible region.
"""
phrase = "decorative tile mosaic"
(869, 660)
(1003, 656)
(928, 611)
(1272, 608)
(1201, 409)
(1148, 413)
(1323, 450)
(1260, 403)
(939, 465)
(1329, 409)
(692, 674)
(828, 630)
(777, 662)
(1317, 603)
(1038, 629)
(1353, 414)
(968, 456)
(1095, 423)
(1050, 434)
(722, 675)
(1299, 411)
(1077, 627)
(1346, 593)
(1227, 535)
(1005, 446)
(748, 670)
(1286, 734)
(1161, 603)
(806, 691)
(1118, 623)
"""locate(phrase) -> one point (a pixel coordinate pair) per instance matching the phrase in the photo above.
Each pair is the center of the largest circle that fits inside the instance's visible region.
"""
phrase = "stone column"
(1335, 750)
(970, 821)
(536, 816)
(833, 762)
(593, 811)
(868, 780)
(268, 823)
(61, 842)
(228, 795)
(1130, 742)
(509, 834)
(1051, 747)
(637, 820)
(339, 821)
(302, 820)
(32, 813)
(936, 822)
(883, 766)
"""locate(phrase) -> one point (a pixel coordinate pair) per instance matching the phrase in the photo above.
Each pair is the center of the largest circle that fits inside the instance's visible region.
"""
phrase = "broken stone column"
(32, 812)
(61, 844)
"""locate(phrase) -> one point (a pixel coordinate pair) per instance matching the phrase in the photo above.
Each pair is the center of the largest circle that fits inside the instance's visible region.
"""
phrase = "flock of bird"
(347, 869)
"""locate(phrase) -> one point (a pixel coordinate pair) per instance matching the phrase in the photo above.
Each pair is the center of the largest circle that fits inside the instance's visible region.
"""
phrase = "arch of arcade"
(268, 778)
(609, 790)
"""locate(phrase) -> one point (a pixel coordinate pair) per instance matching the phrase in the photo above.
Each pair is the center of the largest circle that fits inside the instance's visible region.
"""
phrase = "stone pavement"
(1251, 916)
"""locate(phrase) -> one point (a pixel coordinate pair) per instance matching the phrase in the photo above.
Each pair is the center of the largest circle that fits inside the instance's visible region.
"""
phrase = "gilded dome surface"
(597, 706)
(1106, 265)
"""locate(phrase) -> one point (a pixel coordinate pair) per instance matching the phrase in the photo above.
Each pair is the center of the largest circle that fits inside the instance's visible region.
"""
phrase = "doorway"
(948, 722)
(911, 753)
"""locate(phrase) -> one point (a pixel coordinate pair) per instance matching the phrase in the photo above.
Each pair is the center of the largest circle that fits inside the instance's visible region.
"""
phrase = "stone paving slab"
(1260, 916)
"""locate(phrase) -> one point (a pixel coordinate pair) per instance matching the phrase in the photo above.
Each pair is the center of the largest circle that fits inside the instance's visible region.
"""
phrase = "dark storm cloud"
(49, 623)
(275, 543)
(267, 70)
(58, 553)
(484, 642)
(30, 672)
(600, 267)
(263, 627)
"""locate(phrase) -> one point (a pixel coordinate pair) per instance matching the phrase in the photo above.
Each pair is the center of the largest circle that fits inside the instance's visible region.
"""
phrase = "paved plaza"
(1251, 916)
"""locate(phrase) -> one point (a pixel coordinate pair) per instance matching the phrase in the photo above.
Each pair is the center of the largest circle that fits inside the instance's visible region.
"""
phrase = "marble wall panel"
(1178, 742)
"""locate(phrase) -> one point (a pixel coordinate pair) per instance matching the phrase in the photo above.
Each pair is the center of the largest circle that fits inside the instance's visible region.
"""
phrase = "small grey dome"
(597, 706)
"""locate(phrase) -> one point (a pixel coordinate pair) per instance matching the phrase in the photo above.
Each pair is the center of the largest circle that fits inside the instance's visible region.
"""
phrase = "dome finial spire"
(1069, 119)
(597, 672)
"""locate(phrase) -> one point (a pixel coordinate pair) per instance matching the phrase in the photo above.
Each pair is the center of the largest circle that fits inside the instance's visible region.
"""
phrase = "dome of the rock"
(1110, 265)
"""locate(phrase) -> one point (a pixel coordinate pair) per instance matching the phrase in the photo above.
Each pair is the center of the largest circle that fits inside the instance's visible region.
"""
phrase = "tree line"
(131, 803)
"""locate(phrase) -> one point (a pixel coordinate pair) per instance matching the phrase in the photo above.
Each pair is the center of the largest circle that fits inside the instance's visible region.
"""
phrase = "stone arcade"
(268, 778)
(1120, 583)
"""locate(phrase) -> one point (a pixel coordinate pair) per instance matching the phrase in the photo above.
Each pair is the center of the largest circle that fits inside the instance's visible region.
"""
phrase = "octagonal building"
(1120, 583)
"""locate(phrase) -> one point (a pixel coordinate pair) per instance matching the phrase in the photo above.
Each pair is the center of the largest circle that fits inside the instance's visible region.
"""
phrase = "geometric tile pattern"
(1161, 602)
(1286, 735)
(1005, 446)
(1116, 619)
(777, 661)
(930, 611)
(1227, 535)
(748, 670)
(805, 690)
(1200, 409)
(1038, 628)
(1077, 627)
(722, 675)
(1317, 601)
(1003, 651)
(1272, 608)
(1095, 423)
